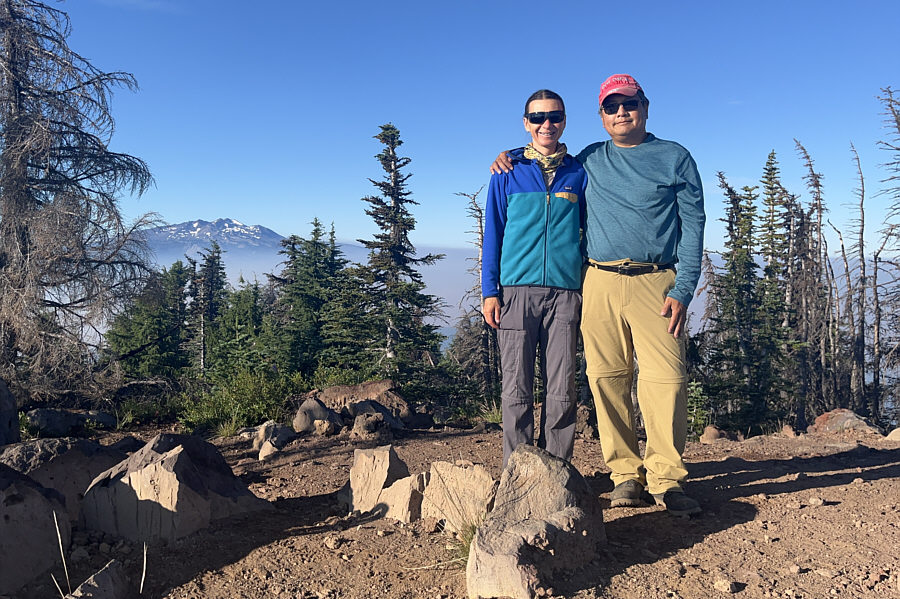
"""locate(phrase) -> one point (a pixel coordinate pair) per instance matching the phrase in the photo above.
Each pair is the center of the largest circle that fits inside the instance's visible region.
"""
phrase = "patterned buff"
(550, 163)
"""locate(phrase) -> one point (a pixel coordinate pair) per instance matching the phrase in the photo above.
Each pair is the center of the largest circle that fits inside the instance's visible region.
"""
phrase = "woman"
(531, 276)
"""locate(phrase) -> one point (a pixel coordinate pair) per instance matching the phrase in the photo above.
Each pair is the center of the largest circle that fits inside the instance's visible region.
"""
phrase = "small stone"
(825, 572)
(816, 501)
(332, 542)
(794, 569)
(724, 585)
(105, 548)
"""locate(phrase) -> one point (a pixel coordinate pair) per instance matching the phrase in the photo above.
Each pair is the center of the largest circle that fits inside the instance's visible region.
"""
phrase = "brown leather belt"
(630, 269)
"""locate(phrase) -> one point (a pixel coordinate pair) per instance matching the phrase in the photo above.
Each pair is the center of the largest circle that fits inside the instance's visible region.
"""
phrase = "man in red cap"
(644, 215)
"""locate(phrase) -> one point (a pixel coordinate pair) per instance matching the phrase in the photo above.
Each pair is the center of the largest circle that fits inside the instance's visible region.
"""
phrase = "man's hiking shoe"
(627, 494)
(677, 503)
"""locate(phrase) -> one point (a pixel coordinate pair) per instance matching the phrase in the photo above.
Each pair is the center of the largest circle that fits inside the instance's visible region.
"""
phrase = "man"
(644, 214)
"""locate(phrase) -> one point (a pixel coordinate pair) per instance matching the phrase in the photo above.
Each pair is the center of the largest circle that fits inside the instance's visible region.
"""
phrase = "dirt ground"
(806, 517)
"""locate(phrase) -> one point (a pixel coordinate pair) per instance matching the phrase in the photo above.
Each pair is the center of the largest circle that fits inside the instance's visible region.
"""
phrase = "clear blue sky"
(265, 111)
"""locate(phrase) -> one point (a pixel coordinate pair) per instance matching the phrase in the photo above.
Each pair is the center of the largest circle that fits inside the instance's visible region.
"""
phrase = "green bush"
(244, 398)
(698, 410)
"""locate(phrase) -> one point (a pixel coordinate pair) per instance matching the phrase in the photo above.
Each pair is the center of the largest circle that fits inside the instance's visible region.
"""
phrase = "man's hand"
(491, 310)
(502, 163)
(677, 313)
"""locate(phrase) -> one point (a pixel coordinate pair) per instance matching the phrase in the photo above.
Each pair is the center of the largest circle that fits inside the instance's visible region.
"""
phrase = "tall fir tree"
(400, 308)
(147, 338)
(305, 285)
(208, 294)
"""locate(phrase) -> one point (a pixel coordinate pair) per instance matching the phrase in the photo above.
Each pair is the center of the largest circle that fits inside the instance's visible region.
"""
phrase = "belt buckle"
(627, 269)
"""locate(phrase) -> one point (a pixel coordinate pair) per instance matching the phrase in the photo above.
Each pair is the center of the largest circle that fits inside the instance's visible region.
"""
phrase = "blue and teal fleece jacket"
(532, 234)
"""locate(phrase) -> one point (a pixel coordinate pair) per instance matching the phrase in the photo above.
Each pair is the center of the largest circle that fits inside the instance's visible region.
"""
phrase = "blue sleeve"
(689, 198)
(494, 225)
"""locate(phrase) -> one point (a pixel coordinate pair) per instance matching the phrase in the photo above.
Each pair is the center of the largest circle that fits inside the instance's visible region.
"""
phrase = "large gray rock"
(546, 523)
(67, 465)
(313, 409)
(271, 438)
(174, 486)
(110, 582)
(373, 471)
(343, 398)
(28, 542)
(840, 420)
(9, 416)
(458, 495)
(371, 427)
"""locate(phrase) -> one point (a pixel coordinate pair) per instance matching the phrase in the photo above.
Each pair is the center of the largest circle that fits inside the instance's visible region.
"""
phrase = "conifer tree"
(400, 307)
(306, 284)
(208, 294)
(147, 338)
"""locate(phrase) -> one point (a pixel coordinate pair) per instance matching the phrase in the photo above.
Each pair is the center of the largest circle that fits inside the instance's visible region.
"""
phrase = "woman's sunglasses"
(538, 118)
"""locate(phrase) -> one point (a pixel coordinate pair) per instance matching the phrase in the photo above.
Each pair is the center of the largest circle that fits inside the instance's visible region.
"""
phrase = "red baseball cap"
(619, 84)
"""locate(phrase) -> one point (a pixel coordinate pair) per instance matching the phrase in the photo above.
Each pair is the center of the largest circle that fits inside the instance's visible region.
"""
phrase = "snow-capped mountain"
(252, 251)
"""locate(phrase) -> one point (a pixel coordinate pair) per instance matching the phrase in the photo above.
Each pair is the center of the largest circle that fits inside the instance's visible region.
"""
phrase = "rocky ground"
(805, 517)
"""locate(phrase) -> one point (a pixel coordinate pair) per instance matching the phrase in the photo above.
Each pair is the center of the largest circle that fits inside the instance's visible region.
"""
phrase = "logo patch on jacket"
(572, 197)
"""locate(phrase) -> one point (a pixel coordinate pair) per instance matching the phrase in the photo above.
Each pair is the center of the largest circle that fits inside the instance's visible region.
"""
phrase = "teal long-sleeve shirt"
(646, 204)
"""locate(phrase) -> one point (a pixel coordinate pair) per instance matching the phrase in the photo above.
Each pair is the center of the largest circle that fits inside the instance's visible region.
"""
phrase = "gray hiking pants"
(549, 317)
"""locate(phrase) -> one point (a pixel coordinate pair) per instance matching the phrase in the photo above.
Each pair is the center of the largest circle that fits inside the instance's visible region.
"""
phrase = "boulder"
(9, 416)
(458, 495)
(402, 500)
(311, 410)
(50, 422)
(174, 486)
(110, 582)
(273, 437)
(370, 406)
(67, 465)
(711, 434)
(28, 538)
(373, 471)
(342, 398)
(839, 420)
(371, 427)
(894, 435)
(586, 422)
(325, 428)
(546, 523)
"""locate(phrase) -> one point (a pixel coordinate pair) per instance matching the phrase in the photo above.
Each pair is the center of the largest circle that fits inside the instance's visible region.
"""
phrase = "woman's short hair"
(544, 94)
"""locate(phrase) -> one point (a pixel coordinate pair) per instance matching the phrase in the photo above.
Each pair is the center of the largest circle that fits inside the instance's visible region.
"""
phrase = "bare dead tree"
(67, 257)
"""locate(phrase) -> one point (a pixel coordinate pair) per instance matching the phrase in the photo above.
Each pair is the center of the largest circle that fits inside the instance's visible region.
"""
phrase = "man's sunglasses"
(612, 108)
(538, 118)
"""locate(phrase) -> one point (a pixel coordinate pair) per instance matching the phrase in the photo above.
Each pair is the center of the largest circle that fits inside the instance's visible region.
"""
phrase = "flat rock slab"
(174, 486)
(458, 495)
(28, 539)
(546, 524)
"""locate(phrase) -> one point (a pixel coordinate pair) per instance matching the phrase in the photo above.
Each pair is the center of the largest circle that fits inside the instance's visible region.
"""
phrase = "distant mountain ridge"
(252, 251)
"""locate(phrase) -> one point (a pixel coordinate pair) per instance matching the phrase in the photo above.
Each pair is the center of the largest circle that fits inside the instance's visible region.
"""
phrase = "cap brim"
(625, 90)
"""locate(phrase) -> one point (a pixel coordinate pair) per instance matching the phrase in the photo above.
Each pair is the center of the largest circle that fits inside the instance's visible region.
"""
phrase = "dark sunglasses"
(612, 108)
(538, 118)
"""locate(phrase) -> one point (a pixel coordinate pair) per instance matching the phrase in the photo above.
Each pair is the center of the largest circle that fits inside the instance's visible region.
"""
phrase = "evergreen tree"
(208, 294)
(235, 342)
(303, 288)
(734, 354)
(148, 336)
(399, 305)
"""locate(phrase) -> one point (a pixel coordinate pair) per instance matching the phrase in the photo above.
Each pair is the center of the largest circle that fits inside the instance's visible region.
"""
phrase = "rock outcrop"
(174, 486)
(373, 471)
(110, 582)
(313, 409)
(839, 420)
(546, 523)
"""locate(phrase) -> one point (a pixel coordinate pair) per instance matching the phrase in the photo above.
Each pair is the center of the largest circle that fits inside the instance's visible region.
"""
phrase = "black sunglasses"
(612, 108)
(538, 118)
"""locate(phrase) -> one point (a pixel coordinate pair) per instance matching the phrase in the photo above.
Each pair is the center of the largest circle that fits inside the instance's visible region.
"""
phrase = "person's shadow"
(651, 534)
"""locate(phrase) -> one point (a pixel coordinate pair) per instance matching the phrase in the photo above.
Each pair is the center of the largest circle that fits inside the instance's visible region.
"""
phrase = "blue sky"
(265, 111)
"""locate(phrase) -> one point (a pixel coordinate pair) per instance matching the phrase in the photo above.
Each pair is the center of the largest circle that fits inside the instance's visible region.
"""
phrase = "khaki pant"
(620, 320)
